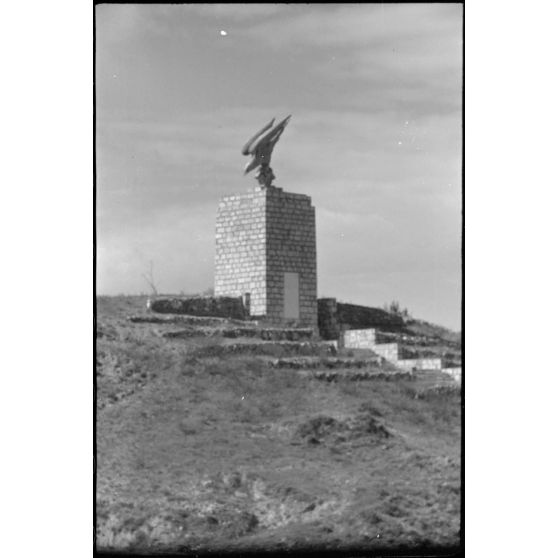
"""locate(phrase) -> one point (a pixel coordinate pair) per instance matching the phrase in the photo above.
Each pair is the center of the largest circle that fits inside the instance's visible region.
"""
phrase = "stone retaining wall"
(266, 348)
(219, 306)
(239, 332)
(327, 362)
(359, 338)
(389, 351)
(359, 317)
(335, 317)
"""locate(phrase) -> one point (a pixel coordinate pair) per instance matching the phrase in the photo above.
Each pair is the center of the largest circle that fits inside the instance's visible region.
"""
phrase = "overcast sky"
(375, 140)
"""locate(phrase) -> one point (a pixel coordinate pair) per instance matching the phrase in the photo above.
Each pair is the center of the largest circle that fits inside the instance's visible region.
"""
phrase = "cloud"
(354, 164)
(119, 22)
(235, 12)
(358, 149)
(391, 56)
(360, 25)
(122, 23)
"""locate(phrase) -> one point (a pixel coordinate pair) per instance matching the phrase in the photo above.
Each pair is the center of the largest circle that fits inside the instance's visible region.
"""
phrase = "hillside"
(200, 450)
(420, 327)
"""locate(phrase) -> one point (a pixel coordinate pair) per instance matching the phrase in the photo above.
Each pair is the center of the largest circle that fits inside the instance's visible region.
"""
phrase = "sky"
(375, 140)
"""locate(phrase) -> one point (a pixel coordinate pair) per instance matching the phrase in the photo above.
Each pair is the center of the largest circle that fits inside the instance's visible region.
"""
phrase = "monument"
(266, 243)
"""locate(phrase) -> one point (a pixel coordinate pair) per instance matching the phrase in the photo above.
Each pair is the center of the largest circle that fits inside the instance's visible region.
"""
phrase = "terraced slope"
(202, 449)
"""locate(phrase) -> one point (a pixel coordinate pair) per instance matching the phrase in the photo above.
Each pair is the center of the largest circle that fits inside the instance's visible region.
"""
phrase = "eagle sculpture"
(260, 147)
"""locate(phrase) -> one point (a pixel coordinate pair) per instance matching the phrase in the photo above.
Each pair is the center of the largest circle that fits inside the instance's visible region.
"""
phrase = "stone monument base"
(266, 251)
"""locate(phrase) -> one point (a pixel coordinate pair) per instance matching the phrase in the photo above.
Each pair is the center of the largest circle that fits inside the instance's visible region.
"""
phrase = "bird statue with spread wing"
(260, 147)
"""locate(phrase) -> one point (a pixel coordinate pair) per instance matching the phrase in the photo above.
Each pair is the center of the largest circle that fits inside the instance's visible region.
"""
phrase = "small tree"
(150, 279)
(394, 308)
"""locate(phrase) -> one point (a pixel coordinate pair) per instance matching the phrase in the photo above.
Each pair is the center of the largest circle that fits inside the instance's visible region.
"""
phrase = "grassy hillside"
(198, 452)
(422, 328)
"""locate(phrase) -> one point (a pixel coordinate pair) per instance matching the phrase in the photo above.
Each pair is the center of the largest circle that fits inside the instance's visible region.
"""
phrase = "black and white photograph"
(279, 278)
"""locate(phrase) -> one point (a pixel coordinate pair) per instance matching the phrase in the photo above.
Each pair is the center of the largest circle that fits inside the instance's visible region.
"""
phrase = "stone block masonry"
(359, 339)
(335, 317)
(240, 266)
(266, 248)
(455, 373)
(389, 351)
(392, 352)
(224, 307)
(354, 316)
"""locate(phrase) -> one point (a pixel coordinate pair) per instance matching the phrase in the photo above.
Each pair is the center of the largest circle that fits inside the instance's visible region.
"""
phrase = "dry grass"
(205, 453)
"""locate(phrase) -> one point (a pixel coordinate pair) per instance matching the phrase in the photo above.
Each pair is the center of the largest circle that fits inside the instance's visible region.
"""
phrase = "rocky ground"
(201, 448)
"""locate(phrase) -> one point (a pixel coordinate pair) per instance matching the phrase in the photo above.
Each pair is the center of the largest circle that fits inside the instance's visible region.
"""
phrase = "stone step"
(265, 334)
(299, 363)
(432, 374)
(270, 334)
(188, 320)
(190, 332)
(265, 348)
(355, 375)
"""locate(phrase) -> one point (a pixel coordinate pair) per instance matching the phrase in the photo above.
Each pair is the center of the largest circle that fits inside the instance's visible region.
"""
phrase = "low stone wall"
(219, 306)
(420, 364)
(389, 351)
(269, 334)
(324, 362)
(187, 320)
(360, 317)
(334, 317)
(359, 338)
(276, 349)
(242, 332)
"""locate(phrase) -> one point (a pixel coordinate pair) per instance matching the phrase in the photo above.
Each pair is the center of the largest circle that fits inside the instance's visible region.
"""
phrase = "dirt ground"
(224, 453)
